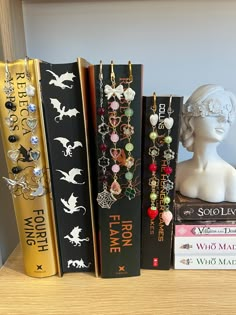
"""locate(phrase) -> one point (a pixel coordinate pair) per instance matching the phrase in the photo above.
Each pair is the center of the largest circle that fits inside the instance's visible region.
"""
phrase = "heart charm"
(13, 155)
(34, 155)
(115, 153)
(168, 122)
(31, 123)
(153, 119)
(114, 121)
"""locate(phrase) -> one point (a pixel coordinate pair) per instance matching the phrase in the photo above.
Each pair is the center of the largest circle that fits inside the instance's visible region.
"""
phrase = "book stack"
(205, 234)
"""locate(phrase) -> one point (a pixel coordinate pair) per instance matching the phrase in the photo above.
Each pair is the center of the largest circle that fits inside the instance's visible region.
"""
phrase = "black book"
(190, 209)
(156, 235)
(119, 211)
(64, 105)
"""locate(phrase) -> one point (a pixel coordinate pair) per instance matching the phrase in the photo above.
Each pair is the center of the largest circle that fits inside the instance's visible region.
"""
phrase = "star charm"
(103, 161)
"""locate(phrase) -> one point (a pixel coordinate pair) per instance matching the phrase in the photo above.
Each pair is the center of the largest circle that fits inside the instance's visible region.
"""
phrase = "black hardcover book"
(64, 106)
(190, 209)
(117, 127)
(156, 235)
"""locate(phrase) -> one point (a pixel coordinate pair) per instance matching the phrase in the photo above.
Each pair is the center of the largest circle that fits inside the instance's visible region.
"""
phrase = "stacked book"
(205, 234)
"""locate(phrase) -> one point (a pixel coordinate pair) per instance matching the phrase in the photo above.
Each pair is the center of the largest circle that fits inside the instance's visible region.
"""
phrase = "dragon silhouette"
(59, 80)
(62, 110)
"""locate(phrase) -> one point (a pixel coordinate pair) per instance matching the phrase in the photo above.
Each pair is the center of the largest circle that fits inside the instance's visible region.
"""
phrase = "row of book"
(91, 169)
(91, 164)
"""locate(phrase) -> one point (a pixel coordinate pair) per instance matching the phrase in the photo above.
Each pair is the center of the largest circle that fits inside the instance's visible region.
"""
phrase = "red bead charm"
(101, 111)
(152, 213)
(103, 147)
(153, 167)
(168, 170)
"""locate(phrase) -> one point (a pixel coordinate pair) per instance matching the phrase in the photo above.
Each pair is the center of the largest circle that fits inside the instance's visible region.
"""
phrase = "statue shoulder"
(230, 181)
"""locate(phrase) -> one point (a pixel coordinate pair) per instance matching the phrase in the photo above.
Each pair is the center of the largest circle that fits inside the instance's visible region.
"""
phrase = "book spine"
(119, 215)
(187, 211)
(25, 156)
(208, 229)
(219, 245)
(156, 235)
(64, 118)
(205, 262)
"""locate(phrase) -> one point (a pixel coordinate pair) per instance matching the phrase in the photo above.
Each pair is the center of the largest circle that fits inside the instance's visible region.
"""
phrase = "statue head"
(207, 101)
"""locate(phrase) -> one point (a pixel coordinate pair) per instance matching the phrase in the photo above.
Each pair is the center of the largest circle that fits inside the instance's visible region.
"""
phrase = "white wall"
(182, 44)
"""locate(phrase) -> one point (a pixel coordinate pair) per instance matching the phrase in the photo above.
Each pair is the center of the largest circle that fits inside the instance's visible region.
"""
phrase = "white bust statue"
(206, 118)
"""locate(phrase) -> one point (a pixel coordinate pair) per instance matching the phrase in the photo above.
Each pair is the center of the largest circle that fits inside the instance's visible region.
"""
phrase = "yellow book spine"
(24, 151)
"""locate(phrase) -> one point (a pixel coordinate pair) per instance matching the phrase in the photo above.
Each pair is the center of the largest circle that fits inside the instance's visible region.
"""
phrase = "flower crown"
(210, 107)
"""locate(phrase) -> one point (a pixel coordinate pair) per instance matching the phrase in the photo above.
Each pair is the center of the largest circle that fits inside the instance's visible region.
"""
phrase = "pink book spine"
(211, 230)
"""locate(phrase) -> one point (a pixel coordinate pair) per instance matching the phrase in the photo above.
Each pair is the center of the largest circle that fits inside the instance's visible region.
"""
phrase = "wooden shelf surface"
(182, 292)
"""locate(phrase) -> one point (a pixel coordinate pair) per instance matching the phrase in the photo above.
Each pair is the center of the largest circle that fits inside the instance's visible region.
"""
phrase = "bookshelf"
(169, 292)
(186, 292)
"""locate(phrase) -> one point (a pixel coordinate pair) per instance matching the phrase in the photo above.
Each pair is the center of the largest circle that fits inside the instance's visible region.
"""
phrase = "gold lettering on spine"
(114, 241)
(120, 232)
(35, 231)
(127, 233)
(161, 230)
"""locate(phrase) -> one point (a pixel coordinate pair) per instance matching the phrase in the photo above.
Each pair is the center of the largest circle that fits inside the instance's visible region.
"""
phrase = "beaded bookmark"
(114, 122)
(129, 95)
(105, 198)
(168, 156)
(153, 151)
(13, 153)
(32, 123)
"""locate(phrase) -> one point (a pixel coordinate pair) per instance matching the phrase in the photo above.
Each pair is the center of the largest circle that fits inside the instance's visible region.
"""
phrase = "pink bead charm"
(114, 137)
(115, 168)
(114, 105)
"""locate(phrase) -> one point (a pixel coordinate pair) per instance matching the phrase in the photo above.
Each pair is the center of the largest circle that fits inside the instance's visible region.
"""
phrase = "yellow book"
(24, 149)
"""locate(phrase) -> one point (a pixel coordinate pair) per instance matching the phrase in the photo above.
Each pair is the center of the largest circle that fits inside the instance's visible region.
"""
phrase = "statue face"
(211, 128)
